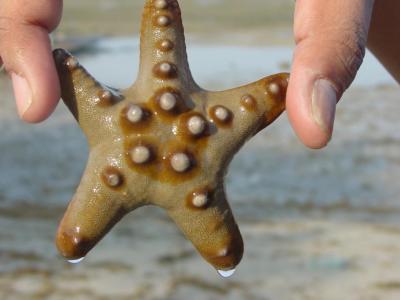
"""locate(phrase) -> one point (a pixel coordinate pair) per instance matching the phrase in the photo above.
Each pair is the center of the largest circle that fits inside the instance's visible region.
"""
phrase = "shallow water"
(213, 67)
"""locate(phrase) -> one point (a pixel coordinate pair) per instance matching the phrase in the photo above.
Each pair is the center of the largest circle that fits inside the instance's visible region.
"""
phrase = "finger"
(26, 52)
(331, 37)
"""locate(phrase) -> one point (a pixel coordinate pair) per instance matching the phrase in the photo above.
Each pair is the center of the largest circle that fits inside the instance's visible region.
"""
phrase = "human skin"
(384, 36)
(330, 36)
(26, 53)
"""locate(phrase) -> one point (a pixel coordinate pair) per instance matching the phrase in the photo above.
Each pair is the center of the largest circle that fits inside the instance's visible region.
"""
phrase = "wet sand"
(317, 225)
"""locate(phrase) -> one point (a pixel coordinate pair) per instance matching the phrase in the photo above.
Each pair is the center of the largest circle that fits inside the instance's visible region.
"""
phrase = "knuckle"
(45, 14)
(6, 33)
(350, 52)
(344, 48)
(5, 24)
(301, 34)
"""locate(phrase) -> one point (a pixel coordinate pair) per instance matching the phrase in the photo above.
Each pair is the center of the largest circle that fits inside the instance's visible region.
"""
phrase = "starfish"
(163, 141)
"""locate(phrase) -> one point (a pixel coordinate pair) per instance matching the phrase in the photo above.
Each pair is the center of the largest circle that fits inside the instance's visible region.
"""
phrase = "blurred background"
(316, 224)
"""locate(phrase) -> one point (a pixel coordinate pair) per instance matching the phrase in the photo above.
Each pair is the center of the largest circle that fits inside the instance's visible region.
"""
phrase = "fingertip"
(311, 111)
(34, 76)
(37, 115)
(30, 109)
(308, 133)
(45, 97)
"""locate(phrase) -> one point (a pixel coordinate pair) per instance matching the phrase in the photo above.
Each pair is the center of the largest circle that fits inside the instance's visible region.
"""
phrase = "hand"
(384, 35)
(331, 37)
(26, 53)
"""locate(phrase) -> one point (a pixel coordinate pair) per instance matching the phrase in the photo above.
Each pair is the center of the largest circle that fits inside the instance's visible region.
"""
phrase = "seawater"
(115, 61)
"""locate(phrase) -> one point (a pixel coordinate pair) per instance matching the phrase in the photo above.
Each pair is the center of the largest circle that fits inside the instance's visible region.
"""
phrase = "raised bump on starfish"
(164, 141)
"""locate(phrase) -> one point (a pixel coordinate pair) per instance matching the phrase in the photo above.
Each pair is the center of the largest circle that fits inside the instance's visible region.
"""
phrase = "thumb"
(330, 45)
(26, 53)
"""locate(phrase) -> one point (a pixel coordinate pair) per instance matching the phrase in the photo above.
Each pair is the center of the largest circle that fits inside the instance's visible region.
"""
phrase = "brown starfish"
(164, 141)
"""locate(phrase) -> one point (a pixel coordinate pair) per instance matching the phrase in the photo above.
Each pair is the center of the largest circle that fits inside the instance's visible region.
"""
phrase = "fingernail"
(22, 92)
(324, 102)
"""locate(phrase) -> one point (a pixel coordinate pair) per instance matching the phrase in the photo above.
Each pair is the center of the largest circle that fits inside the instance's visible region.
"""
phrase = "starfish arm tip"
(93, 211)
(82, 93)
(163, 50)
(251, 107)
(212, 229)
(83, 226)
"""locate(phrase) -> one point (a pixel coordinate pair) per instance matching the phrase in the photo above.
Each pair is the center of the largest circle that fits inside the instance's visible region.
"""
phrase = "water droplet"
(76, 261)
(226, 273)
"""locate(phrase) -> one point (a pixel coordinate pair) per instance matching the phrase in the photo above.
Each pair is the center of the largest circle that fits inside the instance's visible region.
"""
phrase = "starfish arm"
(85, 97)
(93, 211)
(250, 108)
(163, 50)
(212, 229)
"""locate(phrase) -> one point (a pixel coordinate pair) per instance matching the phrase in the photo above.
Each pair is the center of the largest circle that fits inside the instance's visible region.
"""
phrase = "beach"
(317, 225)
